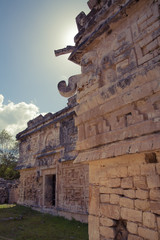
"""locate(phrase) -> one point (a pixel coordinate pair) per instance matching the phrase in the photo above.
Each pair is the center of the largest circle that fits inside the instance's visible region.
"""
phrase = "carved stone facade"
(118, 116)
(49, 180)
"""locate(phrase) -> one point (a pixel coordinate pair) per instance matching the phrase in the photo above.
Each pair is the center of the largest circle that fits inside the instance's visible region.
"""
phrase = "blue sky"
(30, 31)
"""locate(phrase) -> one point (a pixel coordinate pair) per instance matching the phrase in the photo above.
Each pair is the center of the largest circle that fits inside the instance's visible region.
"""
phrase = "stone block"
(129, 193)
(158, 168)
(107, 222)
(153, 181)
(114, 199)
(140, 182)
(104, 198)
(148, 169)
(132, 227)
(134, 237)
(126, 202)
(117, 172)
(81, 132)
(94, 172)
(103, 190)
(148, 233)
(110, 211)
(93, 200)
(142, 194)
(93, 224)
(110, 182)
(107, 232)
(143, 205)
(155, 194)
(134, 170)
(131, 215)
(127, 182)
(155, 207)
(149, 220)
(158, 222)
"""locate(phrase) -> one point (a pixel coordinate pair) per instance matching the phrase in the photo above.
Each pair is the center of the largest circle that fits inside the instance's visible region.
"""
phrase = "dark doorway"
(50, 190)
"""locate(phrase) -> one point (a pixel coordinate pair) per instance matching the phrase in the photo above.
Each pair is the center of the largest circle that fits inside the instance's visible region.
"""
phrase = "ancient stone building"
(48, 179)
(118, 116)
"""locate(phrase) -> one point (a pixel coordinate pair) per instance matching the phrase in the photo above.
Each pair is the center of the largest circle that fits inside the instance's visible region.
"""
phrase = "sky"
(30, 31)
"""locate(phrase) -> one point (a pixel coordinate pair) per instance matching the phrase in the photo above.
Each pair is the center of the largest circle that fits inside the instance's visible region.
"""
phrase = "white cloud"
(14, 117)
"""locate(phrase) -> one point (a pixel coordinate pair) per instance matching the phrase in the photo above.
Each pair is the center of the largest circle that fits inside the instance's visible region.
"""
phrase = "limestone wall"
(118, 116)
(118, 94)
(125, 198)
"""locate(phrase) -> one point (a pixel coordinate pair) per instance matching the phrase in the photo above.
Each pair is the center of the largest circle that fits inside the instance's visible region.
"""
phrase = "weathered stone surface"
(149, 220)
(110, 211)
(110, 182)
(147, 233)
(143, 205)
(153, 181)
(8, 191)
(132, 227)
(158, 222)
(107, 232)
(94, 227)
(126, 202)
(134, 170)
(127, 183)
(134, 237)
(155, 207)
(140, 182)
(131, 215)
(114, 198)
(142, 194)
(130, 193)
(48, 177)
(104, 198)
(148, 169)
(107, 222)
(155, 194)
(93, 200)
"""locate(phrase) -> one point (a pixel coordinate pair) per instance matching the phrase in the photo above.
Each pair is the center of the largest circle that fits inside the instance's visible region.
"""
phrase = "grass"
(23, 223)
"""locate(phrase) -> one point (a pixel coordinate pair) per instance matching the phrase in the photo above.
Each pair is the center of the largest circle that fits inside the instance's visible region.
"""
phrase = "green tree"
(8, 156)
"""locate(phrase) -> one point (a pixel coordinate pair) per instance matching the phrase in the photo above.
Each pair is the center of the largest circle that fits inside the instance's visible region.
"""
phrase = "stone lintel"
(63, 51)
(120, 148)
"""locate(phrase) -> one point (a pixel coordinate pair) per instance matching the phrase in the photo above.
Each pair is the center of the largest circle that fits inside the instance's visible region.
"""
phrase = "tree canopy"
(8, 156)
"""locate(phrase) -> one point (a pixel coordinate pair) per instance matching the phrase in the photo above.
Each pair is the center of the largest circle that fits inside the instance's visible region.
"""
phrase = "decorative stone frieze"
(48, 179)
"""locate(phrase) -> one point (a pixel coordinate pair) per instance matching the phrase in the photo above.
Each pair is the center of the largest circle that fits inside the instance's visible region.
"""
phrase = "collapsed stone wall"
(8, 191)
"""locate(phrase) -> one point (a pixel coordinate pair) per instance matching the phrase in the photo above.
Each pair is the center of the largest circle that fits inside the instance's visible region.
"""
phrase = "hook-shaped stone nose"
(70, 89)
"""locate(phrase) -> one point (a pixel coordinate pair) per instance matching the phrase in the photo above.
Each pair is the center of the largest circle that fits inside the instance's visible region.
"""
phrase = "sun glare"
(69, 36)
